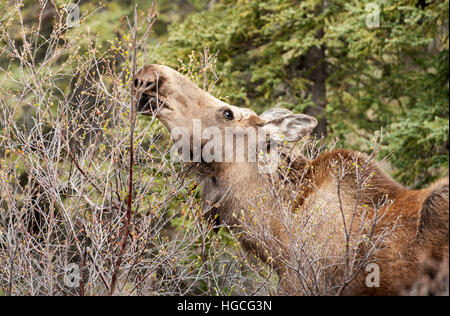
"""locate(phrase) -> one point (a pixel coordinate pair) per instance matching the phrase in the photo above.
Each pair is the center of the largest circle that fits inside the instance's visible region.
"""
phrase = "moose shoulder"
(319, 221)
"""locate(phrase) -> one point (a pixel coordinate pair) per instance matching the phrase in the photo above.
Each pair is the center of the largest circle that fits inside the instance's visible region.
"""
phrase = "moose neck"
(237, 195)
(228, 188)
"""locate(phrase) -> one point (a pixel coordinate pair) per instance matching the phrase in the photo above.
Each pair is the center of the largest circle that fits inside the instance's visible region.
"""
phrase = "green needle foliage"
(320, 57)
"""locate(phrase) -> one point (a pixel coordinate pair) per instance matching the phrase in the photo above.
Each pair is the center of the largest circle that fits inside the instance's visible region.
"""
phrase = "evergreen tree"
(326, 59)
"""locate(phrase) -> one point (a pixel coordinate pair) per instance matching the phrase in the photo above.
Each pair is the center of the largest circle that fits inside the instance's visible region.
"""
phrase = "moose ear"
(284, 125)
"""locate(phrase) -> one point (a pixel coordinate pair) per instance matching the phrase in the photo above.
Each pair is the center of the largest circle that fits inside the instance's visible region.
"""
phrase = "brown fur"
(421, 216)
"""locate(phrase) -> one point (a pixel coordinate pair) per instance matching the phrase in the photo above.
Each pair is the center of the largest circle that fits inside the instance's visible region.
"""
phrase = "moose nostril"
(136, 82)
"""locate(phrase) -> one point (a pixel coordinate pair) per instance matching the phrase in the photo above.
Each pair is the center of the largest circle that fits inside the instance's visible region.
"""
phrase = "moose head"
(186, 109)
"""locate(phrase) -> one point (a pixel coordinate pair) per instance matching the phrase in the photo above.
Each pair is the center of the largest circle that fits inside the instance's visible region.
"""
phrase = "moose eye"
(228, 114)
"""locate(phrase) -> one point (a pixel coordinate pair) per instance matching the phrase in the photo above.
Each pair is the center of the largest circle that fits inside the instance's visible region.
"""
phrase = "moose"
(346, 190)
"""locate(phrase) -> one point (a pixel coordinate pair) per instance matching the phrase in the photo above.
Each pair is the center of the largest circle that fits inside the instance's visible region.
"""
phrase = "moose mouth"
(150, 99)
(149, 105)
